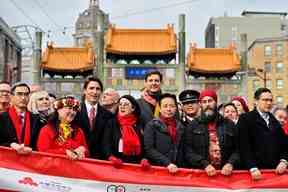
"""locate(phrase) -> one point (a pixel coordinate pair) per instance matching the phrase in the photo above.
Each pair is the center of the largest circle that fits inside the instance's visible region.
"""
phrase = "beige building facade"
(268, 66)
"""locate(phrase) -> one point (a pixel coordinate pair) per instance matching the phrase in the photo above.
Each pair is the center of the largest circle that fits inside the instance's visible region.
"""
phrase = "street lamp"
(259, 72)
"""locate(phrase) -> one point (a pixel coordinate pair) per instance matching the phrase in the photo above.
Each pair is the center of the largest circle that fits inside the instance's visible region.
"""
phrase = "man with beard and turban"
(210, 140)
(150, 96)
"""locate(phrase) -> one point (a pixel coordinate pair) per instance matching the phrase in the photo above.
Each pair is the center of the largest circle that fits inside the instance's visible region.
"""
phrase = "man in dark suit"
(262, 143)
(19, 128)
(92, 117)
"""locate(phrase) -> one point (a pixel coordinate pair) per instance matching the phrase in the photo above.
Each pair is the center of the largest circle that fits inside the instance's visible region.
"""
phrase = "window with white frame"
(217, 36)
(279, 67)
(279, 49)
(279, 100)
(117, 73)
(234, 34)
(279, 83)
(268, 66)
(170, 74)
(269, 84)
(267, 50)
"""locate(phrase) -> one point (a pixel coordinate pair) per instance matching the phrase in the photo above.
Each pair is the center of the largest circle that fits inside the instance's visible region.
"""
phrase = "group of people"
(193, 131)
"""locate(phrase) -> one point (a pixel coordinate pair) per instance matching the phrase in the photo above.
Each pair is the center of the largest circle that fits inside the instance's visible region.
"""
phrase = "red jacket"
(47, 142)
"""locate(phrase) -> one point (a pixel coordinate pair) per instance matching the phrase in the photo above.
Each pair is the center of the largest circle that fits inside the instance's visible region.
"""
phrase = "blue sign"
(137, 72)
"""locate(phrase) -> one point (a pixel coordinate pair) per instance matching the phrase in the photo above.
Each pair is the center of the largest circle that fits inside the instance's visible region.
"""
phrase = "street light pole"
(264, 76)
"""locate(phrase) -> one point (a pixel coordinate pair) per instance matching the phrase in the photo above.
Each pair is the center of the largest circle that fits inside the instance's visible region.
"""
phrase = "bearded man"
(210, 140)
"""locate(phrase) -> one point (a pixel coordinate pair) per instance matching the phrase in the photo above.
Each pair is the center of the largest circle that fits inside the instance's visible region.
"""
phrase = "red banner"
(49, 172)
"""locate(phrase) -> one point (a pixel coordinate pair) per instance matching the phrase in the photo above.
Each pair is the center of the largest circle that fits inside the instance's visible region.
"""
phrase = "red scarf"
(131, 141)
(285, 127)
(149, 98)
(16, 121)
(171, 126)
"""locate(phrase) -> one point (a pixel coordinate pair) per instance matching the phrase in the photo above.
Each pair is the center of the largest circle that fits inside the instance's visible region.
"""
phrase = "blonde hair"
(32, 106)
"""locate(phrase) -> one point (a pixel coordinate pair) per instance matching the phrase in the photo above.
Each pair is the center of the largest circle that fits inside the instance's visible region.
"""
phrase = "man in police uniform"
(190, 105)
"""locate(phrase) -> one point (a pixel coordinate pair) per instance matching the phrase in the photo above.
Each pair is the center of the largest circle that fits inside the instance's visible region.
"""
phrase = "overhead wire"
(25, 14)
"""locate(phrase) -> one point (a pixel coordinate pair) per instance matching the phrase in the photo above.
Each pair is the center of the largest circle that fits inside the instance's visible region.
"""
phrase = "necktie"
(22, 131)
(91, 117)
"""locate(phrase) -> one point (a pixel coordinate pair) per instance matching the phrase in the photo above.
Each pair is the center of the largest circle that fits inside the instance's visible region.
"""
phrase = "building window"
(279, 49)
(234, 34)
(109, 72)
(129, 82)
(67, 87)
(119, 82)
(268, 66)
(255, 85)
(117, 73)
(170, 74)
(279, 84)
(279, 100)
(279, 67)
(217, 35)
(267, 50)
(269, 84)
(172, 82)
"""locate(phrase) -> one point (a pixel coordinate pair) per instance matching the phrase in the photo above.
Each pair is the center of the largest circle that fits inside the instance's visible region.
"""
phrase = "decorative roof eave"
(203, 71)
(88, 63)
(172, 41)
(91, 67)
(121, 52)
(231, 67)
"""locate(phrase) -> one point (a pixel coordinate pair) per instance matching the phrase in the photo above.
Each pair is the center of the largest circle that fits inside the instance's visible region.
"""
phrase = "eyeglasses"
(21, 94)
(124, 104)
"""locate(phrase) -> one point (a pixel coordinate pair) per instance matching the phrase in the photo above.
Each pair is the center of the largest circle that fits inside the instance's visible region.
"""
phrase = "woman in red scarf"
(61, 135)
(123, 137)
(162, 136)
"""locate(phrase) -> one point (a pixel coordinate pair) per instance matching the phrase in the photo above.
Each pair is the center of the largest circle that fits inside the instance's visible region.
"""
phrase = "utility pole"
(37, 58)
(244, 64)
(181, 55)
(98, 38)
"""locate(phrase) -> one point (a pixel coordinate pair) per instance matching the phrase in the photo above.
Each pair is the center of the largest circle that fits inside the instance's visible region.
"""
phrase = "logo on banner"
(116, 188)
(28, 181)
(48, 185)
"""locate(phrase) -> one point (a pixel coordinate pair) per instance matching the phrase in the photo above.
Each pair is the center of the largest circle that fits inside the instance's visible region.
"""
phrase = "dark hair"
(19, 85)
(55, 122)
(259, 91)
(134, 103)
(230, 104)
(221, 106)
(154, 73)
(95, 79)
(168, 95)
(4, 82)
(52, 95)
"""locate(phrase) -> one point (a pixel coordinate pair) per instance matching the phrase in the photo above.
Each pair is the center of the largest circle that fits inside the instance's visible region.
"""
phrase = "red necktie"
(91, 117)
(21, 121)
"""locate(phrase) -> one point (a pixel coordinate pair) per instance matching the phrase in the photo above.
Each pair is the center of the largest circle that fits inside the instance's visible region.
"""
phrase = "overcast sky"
(58, 14)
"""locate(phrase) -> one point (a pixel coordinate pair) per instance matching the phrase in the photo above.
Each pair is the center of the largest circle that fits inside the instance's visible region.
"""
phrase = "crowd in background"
(189, 130)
